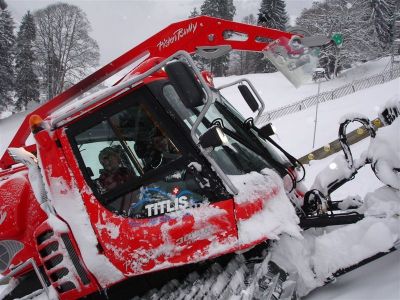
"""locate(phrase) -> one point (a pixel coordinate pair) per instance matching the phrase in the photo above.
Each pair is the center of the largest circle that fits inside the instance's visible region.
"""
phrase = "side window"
(105, 160)
(149, 145)
(124, 156)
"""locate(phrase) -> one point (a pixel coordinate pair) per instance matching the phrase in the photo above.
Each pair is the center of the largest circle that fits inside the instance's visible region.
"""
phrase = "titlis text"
(167, 206)
(177, 35)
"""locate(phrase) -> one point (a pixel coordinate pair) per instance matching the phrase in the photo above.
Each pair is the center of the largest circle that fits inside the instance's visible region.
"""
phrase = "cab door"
(166, 206)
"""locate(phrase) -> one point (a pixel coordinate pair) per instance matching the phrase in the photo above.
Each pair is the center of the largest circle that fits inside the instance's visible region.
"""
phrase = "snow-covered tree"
(223, 9)
(352, 19)
(65, 51)
(3, 4)
(272, 14)
(199, 61)
(7, 40)
(382, 14)
(26, 82)
(244, 62)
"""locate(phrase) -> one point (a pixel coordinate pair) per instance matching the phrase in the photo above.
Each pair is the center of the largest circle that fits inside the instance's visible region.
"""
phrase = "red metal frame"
(186, 35)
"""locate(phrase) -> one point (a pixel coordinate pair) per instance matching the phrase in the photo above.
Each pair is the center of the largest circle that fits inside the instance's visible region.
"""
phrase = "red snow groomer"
(142, 182)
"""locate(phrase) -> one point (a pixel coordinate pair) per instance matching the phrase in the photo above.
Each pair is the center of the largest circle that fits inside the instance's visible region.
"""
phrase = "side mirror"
(266, 131)
(185, 83)
(213, 137)
(248, 97)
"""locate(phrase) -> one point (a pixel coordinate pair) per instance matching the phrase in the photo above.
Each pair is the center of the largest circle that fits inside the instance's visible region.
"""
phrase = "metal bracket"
(253, 89)
(211, 52)
(21, 267)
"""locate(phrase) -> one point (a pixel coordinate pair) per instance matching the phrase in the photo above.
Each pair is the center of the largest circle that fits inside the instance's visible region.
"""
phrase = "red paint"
(22, 214)
(247, 209)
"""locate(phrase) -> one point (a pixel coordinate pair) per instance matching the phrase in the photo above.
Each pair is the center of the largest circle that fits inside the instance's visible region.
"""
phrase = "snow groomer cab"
(155, 172)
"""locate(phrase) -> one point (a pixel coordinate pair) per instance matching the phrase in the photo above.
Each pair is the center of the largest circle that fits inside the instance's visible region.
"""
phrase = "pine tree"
(245, 62)
(272, 14)
(223, 9)
(26, 83)
(198, 60)
(7, 41)
(3, 4)
(351, 18)
(382, 15)
(194, 13)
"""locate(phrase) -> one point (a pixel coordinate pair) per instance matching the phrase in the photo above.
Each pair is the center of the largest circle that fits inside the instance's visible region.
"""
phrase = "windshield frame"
(215, 192)
(246, 136)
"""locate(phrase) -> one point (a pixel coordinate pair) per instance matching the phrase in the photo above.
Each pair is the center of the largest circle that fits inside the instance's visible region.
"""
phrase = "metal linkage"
(21, 267)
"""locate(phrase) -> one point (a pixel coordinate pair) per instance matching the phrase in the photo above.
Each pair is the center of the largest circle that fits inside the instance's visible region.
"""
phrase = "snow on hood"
(165, 254)
(278, 214)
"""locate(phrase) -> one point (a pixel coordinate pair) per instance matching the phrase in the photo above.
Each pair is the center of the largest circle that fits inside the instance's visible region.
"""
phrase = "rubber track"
(242, 278)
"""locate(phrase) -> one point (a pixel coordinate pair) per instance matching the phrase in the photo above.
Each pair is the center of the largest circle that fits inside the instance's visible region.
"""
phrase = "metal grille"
(49, 249)
(342, 91)
(58, 274)
(44, 236)
(75, 259)
(8, 249)
(54, 261)
(65, 287)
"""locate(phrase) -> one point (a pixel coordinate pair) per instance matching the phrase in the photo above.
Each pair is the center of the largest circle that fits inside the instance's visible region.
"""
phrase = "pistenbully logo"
(177, 35)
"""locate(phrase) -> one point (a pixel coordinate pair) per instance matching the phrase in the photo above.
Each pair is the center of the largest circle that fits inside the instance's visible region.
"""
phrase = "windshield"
(245, 151)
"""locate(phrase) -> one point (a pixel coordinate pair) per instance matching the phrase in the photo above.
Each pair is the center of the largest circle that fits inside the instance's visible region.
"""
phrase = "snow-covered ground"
(380, 279)
(277, 91)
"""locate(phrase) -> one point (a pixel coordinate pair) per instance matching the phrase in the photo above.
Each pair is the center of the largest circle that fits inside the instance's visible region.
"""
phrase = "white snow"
(350, 244)
(384, 151)
(69, 205)
(376, 280)
(351, 116)
(277, 91)
(277, 215)
(111, 228)
(336, 169)
(324, 251)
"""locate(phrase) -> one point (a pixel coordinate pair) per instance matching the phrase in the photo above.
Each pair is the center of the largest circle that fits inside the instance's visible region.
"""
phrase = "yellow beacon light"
(35, 123)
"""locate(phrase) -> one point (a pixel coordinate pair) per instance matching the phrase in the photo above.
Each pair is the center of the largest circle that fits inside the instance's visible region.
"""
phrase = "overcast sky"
(118, 26)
